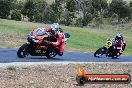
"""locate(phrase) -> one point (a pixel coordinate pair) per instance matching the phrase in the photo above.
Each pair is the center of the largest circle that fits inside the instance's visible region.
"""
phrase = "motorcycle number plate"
(109, 43)
(38, 51)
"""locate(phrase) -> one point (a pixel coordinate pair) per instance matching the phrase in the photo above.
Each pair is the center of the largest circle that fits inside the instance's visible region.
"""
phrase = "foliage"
(5, 7)
(16, 15)
(71, 9)
(121, 8)
(33, 9)
(29, 9)
(57, 10)
(48, 15)
(69, 12)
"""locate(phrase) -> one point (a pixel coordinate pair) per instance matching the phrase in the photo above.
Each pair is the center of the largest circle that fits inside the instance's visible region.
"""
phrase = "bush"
(16, 15)
(79, 22)
(38, 17)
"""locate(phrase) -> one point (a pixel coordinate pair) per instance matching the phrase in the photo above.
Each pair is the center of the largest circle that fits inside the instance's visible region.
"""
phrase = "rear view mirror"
(67, 35)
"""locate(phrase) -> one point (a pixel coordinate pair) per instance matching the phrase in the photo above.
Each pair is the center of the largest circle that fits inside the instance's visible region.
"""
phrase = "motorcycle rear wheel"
(51, 54)
(114, 57)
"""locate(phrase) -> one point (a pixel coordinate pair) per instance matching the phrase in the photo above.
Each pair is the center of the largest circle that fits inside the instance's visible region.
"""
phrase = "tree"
(48, 15)
(33, 9)
(5, 7)
(38, 17)
(87, 10)
(65, 17)
(71, 8)
(18, 5)
(57, 9)
(121, 8)
(98, 5)
(130, 3)
(40, 5)
(100, 10)
(16, 15)
(29, 9)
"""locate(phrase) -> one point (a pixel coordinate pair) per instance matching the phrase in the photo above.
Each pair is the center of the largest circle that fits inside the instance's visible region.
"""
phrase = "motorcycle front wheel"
(99, 52)
(23, 51)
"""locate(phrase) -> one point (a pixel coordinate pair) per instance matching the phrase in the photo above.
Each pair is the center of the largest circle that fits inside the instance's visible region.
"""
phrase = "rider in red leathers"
(57, 34)
(119, 42)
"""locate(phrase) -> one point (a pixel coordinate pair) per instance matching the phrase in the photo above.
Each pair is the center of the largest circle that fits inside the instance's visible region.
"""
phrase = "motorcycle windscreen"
(40, 32)
(67, 35)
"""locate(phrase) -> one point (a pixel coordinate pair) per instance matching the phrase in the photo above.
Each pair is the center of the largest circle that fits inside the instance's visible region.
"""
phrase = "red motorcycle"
(36, 45)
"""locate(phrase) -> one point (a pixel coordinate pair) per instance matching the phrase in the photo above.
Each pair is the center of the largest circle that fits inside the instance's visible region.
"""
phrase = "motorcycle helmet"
(119, 36)
(54, 28)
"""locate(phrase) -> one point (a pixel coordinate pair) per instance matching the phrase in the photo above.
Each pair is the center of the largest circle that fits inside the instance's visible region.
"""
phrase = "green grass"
(14, 33)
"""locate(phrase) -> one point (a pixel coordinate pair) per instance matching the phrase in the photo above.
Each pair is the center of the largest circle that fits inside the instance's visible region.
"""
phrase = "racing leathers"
(119, 44)
(59, 40)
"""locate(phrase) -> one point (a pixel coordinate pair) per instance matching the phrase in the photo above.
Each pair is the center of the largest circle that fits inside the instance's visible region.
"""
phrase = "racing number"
(109, 43)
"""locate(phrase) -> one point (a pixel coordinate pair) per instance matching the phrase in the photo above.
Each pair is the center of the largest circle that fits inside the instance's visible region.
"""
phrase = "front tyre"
(100, 52)
(23, 51)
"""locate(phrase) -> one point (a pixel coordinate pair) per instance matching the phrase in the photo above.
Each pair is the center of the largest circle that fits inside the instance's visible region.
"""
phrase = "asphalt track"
(10, 56)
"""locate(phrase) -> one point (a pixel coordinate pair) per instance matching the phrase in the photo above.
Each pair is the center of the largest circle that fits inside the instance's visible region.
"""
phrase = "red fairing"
(40, 38)
(48, 29)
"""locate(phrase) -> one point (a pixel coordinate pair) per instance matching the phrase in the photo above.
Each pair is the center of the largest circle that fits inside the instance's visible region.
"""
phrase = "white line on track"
(24, 64)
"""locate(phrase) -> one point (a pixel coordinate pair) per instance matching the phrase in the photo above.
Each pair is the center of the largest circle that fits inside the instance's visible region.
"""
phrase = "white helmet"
(55, 26)
(119, 35)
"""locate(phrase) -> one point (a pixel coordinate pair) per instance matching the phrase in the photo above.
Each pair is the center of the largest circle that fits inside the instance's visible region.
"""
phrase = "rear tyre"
(114, 57)
(114, 54)
(23, 51)
(99, 52)
(51, 54)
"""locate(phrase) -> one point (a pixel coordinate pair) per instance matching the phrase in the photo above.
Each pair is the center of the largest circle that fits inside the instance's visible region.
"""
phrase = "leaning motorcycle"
(108, 50)
(36, 46)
